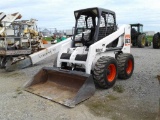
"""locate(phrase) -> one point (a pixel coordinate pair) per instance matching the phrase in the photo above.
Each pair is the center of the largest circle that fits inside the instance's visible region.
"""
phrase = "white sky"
(59, 13)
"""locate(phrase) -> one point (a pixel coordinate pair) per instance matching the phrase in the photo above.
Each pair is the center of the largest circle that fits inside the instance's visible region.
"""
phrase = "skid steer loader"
(96, 55)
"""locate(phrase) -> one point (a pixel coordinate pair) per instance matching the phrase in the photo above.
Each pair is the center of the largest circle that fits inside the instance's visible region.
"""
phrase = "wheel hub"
(111, 72)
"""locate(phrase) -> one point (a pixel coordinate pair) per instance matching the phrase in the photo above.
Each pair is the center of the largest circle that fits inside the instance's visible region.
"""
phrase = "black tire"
(125, 65)
(141, 40)
(156, 41)
(105, 72)
(1, 58)
(147, 43)
(3, 62)
(134, 42)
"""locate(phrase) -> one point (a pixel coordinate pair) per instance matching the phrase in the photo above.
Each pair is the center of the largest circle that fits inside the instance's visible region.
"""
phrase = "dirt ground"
(137, 98)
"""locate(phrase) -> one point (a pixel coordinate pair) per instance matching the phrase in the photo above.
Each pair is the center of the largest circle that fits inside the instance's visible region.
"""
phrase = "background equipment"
(138, 38)
(18, 39)
(156, 40)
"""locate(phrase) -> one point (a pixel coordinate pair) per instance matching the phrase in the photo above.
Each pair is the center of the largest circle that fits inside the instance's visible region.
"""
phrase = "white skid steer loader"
(97, 54)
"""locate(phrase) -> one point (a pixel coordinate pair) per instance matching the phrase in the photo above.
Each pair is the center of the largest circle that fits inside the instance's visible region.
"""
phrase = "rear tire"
(134, 42)
(105, 72)
(147, 43)
(3, 62)
(156, 41)
(125, 66)
(141, 41)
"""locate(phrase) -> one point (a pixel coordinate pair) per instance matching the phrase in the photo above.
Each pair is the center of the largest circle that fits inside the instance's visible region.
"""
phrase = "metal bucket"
(65, 87)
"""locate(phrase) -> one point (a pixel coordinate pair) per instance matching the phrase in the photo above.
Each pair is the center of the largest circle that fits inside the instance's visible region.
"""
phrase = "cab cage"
(95, 20)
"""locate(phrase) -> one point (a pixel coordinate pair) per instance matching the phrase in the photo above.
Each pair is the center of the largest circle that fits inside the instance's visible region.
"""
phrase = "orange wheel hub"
(129, 66)
(111, 74)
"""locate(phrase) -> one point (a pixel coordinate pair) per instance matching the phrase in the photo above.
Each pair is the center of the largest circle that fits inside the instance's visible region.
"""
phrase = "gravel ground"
(134, 99)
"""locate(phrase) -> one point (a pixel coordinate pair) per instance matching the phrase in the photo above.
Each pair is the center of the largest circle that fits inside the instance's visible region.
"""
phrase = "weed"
(115, 117)
(118, 88)
(111, 97)
(98, 107)
(14, 96)
(19, 90)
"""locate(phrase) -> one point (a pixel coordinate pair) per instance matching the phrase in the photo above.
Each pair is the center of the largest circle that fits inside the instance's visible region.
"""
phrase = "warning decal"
(127, 40)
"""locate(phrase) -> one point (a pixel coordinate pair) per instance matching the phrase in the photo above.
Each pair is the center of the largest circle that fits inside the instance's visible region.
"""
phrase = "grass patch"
(14, 96)
(149, 38)
(115, 117)
(98, 107)
(112, 97)
(118, 88)
(48, 38)
(101, 106)
(19, 90)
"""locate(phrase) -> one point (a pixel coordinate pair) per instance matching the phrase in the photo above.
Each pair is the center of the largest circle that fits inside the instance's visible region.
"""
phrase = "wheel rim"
(143, 41)
(129, 66)
(111, 72)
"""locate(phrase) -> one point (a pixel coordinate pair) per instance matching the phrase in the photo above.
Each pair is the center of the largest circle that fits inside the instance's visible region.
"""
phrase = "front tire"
(3, 62)
(105, 72)
(125, 65)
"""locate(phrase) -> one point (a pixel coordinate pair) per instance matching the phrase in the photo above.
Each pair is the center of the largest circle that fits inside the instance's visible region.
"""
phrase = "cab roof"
(89, 10)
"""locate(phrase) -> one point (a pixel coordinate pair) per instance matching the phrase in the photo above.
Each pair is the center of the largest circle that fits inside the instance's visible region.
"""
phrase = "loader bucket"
(65, 87)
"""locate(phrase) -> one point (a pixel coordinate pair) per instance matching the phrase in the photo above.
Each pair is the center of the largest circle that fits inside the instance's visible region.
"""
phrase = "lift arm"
(123, 34)
(38, 56)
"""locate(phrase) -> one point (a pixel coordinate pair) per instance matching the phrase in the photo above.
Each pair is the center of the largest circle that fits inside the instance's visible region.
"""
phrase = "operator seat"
(91, 38)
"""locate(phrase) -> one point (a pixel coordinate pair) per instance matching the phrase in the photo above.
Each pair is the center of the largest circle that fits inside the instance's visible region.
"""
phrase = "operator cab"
(137, 27)
(93, 24)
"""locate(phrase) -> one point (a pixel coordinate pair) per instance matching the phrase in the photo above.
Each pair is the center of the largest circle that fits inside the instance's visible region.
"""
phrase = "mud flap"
(65, 87)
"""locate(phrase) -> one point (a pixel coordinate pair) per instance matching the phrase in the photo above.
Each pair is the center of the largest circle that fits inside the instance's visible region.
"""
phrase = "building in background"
(69, 32)
(46, 32)
(150, 33)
